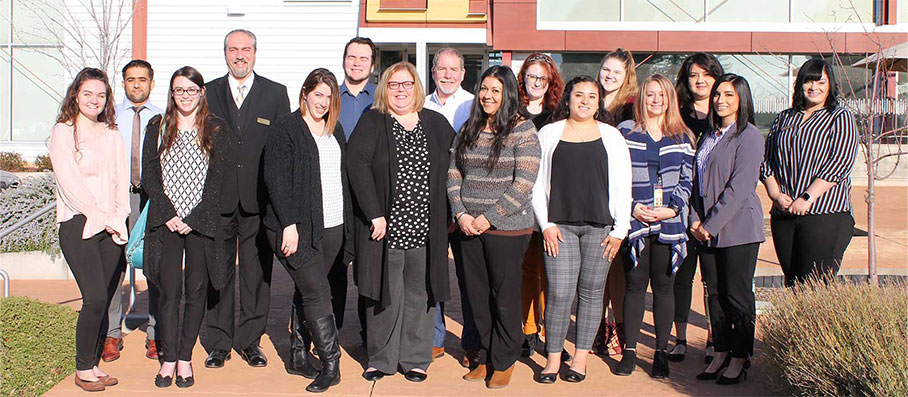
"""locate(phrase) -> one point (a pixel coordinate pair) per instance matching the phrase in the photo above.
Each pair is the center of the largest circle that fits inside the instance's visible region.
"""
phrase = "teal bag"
(135, 247)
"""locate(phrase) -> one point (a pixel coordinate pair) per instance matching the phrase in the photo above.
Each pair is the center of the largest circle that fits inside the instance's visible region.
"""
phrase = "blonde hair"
(628, 87)
(672, 124)
(381, 103)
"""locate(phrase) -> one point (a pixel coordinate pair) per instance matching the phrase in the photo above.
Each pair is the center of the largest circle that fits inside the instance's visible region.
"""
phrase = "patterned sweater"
(503, 194)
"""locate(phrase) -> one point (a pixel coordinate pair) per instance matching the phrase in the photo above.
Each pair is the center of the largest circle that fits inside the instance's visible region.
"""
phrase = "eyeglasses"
(395, 85)
(532, 79)
(179, 91)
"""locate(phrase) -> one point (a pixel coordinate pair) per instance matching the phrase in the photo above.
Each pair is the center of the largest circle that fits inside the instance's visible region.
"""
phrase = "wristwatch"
(674, 208)
(807, 197)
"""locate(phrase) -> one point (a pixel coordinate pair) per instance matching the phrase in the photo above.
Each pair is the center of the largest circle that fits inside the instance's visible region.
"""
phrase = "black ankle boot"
(660, 365)
(627, 364)
(324, 337)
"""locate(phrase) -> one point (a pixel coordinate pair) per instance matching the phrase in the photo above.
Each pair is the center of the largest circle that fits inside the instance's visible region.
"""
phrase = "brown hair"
(316, 77)
(69, 109)
(629, 87)
(672, 124)
(556, 82)
(204, 120)
(381, 92)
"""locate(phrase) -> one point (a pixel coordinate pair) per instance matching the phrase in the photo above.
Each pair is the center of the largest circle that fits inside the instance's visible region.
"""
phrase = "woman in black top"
(397, 164)
(540, 86)
(305, 218)
(810, 151)
(183, 164)
(695, 81)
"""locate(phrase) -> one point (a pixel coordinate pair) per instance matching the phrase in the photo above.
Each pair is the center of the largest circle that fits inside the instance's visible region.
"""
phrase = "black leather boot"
(300, 344)
(324, 337)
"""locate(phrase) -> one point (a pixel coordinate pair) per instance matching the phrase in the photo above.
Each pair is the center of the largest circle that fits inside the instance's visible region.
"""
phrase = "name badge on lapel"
(263, 121)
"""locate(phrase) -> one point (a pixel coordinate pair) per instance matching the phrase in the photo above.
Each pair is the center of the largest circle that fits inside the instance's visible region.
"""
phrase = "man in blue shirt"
(133, 115)
(356, 93)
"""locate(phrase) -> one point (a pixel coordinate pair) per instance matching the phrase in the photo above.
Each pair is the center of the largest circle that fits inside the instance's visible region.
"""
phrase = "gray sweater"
(504, 194)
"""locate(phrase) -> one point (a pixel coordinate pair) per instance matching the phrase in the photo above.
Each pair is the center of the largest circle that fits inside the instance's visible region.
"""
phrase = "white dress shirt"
(125, 114)
(235, 86)
(456, 109)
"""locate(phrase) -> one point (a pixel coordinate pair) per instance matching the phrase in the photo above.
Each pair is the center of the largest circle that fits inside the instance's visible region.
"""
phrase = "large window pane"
(37, 91)
(748, 11)
(37, 21)
(663, 11)
(4, 95)
(579, 10)
(832, 11)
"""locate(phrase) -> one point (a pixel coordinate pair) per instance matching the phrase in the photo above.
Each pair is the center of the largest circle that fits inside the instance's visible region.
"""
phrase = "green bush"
(40, 234)
(42, 163)
(838, 340)
(37, 345)
(12, 162)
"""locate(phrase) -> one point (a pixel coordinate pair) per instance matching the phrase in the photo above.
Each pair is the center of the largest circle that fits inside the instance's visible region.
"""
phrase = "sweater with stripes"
(676, 157)
(503, 193)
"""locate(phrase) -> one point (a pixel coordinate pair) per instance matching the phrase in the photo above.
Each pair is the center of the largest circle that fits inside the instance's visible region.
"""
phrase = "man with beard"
(132, 117)
(454, 103)
(249, 103)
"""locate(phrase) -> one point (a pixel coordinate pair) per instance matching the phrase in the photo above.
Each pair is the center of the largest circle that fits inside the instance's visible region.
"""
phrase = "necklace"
(576, 133)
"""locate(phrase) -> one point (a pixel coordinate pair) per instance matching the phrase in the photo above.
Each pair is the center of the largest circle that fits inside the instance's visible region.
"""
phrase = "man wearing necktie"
(132, 117)
(249, 103)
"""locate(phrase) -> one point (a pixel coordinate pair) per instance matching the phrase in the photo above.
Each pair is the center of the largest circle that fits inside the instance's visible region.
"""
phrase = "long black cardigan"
(372, 168)
(293, 178)
(204, 218)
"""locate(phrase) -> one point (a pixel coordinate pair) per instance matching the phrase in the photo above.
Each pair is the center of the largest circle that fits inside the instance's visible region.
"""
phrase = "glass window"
(832, 11)
(38, 89)
(903, 12)
(748, 11)
(579, 10)
(663, 11)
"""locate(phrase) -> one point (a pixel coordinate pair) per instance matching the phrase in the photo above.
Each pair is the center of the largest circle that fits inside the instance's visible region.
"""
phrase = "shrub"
(12, 162)
(40, 234)
(844, 339)
(37, 343)
(42, 163)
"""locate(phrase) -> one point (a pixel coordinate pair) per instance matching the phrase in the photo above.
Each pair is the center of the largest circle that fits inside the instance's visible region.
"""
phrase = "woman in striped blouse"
(662, 152)
(810, 151)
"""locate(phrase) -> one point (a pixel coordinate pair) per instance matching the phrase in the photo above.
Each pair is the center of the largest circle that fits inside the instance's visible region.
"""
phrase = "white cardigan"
(619, 176)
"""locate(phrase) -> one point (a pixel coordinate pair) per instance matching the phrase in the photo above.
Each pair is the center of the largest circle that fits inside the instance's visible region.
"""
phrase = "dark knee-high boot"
(324, 337)
(300, 341)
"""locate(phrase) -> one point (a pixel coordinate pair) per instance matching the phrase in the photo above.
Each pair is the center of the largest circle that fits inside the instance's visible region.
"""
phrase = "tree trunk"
(871, 227)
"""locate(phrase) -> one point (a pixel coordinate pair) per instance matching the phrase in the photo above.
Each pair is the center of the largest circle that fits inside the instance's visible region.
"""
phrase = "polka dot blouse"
(409, 224)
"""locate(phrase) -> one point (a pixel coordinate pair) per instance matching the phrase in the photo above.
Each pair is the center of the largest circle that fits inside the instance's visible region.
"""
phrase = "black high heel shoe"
(678, 357)
(723, 380)
(714, 375)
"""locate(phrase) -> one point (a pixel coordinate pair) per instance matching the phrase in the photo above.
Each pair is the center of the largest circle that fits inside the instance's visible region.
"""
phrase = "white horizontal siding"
(293, 38)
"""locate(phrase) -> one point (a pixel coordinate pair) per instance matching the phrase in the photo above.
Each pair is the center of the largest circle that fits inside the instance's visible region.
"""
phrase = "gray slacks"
(401, 334)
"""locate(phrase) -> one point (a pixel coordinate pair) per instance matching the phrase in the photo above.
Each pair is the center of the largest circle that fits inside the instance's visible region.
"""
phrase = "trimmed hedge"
(40, 234)
(839, 340)
(36, 345)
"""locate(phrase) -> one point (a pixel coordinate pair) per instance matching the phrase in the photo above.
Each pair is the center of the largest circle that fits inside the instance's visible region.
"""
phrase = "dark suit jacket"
(266, 100)
(293, 178)
(204, 218)
(729, 207)
(372, 169)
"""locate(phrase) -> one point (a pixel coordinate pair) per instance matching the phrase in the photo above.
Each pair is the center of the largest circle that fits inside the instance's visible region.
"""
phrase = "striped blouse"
(824, 146)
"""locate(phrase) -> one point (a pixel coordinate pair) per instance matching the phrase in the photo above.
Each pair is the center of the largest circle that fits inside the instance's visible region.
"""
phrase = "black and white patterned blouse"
(409, 224)
(183, 171)
(329, 157)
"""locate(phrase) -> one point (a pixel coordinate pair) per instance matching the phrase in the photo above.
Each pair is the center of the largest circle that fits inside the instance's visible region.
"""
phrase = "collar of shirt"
(368, 89)
(458, 97)
(235, 84)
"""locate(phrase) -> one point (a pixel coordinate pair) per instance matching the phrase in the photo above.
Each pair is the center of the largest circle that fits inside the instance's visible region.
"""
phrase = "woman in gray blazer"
(727, 218)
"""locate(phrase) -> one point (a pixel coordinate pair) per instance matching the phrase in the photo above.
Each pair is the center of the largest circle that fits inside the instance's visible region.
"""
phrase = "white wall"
(294, 37)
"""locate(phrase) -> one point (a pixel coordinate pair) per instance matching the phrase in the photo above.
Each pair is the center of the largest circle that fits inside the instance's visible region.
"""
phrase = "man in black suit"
(249, 103)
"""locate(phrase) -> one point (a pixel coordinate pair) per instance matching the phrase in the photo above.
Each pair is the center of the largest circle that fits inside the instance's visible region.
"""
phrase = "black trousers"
(241, 233)
(684, 281)
(183, 277)
(337, 280)
(492, 268)
(654, 266)
(733, 320)
(810, 245)
(93, 262)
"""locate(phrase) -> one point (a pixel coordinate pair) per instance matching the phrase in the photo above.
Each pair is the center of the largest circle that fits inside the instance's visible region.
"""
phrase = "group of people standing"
(546, 191)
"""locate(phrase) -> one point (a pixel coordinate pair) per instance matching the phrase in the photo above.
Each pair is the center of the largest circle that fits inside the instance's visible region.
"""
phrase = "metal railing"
(22, 222)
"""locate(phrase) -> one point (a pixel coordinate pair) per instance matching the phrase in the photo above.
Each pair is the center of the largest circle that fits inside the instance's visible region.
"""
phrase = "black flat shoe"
(714, 375)
(415, 376)
(660, 365)
(574, 376)
(547, 378)
(184, 382)
(216, 358)
(373, 375)
(742, 376)
(680, 345)
(627, 364)
(253, 356)
(529, 345)
(163, 381)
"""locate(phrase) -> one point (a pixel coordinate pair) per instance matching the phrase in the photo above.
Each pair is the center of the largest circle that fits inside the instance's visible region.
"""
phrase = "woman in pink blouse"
(92, 180)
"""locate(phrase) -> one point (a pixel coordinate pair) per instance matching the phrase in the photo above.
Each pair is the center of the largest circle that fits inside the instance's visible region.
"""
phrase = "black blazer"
(372, 170)
(292, 176)
(203, 219)
(249, 127)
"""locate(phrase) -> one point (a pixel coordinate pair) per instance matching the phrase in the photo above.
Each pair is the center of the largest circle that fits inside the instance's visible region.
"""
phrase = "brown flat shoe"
(476, 374)
(151, 349)
(87, 385)
(108, 380)
(112, 347)
(501, 379)
(470, 358)
(437, 352)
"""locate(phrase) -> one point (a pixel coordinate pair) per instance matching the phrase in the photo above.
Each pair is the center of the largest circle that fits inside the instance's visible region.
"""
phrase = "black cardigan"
(204, 218)
(293, 179)
(372, 168)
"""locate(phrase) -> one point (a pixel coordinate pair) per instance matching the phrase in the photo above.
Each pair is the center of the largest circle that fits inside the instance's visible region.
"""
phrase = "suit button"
(239, 166)
(239, 142)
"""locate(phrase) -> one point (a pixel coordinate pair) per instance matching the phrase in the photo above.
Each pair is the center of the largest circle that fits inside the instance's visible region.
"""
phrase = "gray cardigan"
(728, 205)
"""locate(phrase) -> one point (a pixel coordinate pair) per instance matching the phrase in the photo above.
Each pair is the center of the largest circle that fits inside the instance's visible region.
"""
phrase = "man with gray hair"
(249, 103)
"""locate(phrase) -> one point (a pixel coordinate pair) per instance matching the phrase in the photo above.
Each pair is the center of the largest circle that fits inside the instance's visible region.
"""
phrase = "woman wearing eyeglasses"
(397, 166)
(540, 86)
(183, 163)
